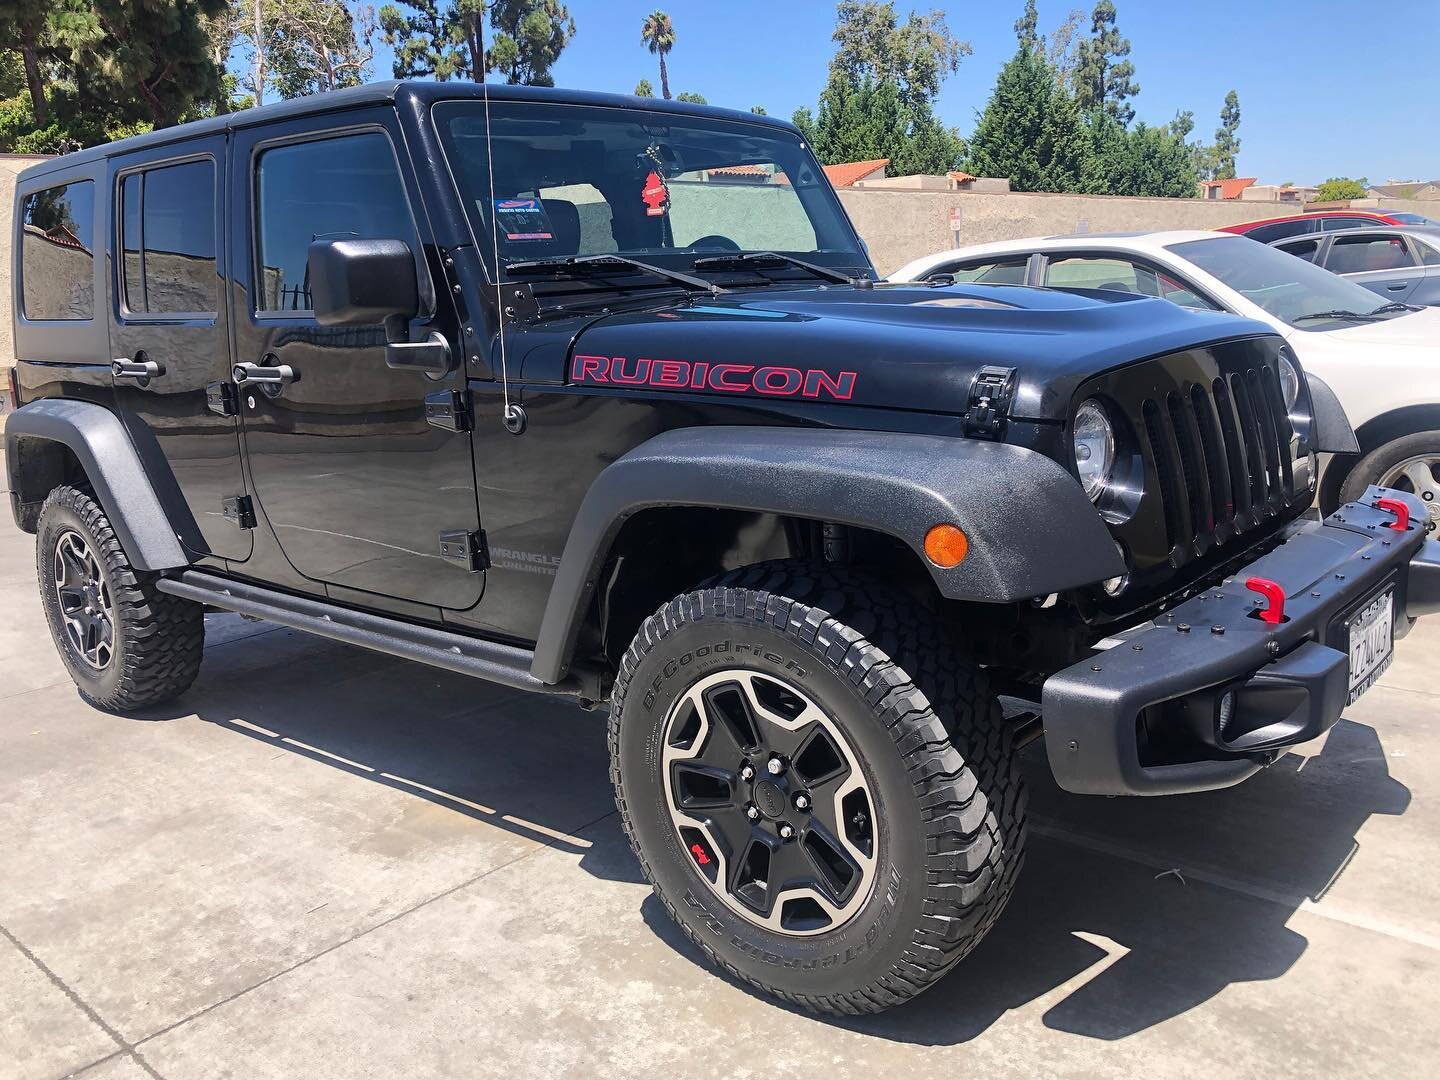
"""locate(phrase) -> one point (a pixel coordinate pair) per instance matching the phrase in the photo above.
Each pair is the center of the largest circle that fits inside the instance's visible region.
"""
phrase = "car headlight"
(1289, 381)
(1094, 447)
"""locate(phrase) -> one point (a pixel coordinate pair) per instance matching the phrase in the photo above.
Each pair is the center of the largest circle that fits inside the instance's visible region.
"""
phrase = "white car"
(1381, 360)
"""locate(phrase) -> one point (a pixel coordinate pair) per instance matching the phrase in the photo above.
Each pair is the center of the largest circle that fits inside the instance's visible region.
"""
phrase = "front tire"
(922, 757)
(126, 644)
(1410, 463)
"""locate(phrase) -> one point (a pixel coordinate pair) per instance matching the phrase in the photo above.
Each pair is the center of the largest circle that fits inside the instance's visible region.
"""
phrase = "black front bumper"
(1145, 717)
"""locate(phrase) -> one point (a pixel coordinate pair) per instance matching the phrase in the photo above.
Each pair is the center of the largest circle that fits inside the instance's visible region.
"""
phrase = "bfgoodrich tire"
(126, 644)
(894, 867)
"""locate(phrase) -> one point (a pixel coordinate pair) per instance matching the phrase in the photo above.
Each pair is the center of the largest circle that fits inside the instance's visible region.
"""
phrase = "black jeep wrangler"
(599, 397)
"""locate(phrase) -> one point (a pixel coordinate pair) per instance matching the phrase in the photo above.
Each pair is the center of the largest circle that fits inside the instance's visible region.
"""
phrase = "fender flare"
(1333, 433)
(99, 442)
(1032, 531)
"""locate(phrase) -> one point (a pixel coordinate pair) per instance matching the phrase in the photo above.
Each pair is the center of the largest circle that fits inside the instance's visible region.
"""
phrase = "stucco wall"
(10, 166)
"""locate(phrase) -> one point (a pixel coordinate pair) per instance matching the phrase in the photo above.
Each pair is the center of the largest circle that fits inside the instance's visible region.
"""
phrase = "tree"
(1031, 130)
(1064, 45)
(658, 34)
(1342, 187)
(312, 46)
(804, 120)
(694, 99)
(1227, 142)
(759, 110)
(1103, 77)
(529, 37)
(644, 89)
(427, 42)
(1027, 27)
(871, 121)
(917, 56)
(26, 29)
(1143, 160)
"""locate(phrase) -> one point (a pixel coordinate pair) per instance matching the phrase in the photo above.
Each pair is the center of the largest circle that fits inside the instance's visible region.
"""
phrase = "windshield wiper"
(1393, 305)
(755, 258)
(601, 263)
(1336, 315)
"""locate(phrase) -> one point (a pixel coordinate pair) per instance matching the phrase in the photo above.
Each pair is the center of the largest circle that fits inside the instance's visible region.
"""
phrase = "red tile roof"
(847, 173)
(741, 170)
(1230, 189)
(960, 177)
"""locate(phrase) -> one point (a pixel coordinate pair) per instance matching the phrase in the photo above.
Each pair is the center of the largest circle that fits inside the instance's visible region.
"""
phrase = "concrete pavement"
(327, 863)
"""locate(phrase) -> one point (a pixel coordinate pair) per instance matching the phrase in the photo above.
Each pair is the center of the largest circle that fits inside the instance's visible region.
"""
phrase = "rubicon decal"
(772, 380)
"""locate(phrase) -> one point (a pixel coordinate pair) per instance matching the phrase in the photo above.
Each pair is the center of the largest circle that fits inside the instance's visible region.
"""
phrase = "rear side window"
(995, 272)
(346, 188)
(1115, 275)
(1281, 229)
(57, 253)
(1302, 249)
(1357, 254)
(1430, 256)
(1335, 224)
(167, 236)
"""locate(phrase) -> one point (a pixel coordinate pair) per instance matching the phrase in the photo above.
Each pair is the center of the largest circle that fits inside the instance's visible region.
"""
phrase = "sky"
(1324, 91)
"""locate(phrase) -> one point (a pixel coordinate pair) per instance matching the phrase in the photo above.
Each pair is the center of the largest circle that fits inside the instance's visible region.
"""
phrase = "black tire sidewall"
(58, 518)
(1374, 465)
(872, 940)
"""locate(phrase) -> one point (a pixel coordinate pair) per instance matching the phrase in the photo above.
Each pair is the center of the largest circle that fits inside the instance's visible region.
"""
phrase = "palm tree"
(658, 32)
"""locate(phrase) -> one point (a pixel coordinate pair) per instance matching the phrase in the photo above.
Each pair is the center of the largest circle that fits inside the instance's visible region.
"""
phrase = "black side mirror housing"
(362, 282)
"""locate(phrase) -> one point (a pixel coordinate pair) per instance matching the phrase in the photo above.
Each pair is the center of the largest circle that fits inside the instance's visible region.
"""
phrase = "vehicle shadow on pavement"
(1130, 912)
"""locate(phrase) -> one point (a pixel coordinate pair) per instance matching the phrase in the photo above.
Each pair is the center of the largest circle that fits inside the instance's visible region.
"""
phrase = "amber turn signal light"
(946, 546)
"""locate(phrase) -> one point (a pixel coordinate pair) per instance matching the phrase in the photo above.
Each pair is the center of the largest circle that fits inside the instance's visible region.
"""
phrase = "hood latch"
(991, 393)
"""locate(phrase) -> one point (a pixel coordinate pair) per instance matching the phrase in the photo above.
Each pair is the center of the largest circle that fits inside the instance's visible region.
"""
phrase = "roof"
(740, 170)
(1230, 189)
(845, 174)
(420, 94)
(960, 177)
(1404, 191)
(1140, 242)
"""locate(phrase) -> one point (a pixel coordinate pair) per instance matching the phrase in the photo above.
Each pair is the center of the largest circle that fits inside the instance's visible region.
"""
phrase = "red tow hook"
(1401, 511)
(1274, 611)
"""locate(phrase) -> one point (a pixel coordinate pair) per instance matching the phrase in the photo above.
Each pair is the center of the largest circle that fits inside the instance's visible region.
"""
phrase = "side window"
(167, 237)
(1430, 256)
(343, 188)
(1302, 249)
(1335, 224)
(1177, 292)
(1116, 275)
(1281, 229)
(1357, 254)
(993, 272)
(57, 253)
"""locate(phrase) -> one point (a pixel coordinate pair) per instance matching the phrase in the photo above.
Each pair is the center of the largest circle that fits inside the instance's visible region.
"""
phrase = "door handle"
(136, 369)
(1398, 286)
(246, 374)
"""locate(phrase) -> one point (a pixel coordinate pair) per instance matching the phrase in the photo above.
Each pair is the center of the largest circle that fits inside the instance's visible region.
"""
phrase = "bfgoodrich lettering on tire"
(126, 644)
(820, 791)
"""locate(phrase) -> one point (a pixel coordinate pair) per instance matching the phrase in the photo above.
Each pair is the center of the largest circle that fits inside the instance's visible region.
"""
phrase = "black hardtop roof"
(383, 93)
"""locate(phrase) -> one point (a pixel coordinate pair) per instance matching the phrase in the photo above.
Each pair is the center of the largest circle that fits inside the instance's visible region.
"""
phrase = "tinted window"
(1357, 254)
(1114, 274)
(992, 272)
(167, 234)
(1429, 253)
(57, 244)
(1335, 224)
(1303, 249)
(347, 188)
(1281, 229)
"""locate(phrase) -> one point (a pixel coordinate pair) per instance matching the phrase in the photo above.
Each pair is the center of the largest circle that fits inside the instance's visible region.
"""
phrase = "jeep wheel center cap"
(769, 799)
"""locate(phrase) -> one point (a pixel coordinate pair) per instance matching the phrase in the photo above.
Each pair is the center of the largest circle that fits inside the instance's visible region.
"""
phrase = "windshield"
(665, 188)
(1287, 287)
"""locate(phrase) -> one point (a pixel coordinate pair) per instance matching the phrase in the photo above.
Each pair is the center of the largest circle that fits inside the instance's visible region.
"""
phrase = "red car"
(1268, 230)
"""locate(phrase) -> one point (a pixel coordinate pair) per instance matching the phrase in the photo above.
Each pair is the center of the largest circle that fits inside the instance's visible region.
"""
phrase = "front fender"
(99, 442)
(1032, 531)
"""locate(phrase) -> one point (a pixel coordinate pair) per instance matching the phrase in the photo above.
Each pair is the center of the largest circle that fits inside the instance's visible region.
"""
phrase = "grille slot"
(1221, 454)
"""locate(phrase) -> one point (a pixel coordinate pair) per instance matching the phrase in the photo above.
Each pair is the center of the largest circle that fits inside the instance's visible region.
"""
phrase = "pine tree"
(1027, 28)
(1103, 77)
(1030, 130)
(1227, 142)
(644, 89)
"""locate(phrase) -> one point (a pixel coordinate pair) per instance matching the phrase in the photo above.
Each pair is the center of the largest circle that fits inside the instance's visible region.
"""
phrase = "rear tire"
(126, 644)
(930, 742)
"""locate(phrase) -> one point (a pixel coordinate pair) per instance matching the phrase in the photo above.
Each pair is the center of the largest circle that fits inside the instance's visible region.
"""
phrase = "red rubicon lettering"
(772, 380)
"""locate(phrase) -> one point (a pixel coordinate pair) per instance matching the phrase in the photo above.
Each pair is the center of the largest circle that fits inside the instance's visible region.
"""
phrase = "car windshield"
(1405, 217)
(1293, 290)
(659, 187)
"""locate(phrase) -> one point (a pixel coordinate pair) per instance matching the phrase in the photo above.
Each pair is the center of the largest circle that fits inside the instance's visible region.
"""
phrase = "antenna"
(513, 415)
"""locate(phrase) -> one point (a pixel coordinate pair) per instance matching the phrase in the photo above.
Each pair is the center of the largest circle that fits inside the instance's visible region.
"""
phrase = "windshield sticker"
(655, 195)
(523, 219)
(770, 380)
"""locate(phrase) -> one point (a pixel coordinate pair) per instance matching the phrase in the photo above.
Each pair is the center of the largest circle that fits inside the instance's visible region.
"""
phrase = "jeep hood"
(894, 346)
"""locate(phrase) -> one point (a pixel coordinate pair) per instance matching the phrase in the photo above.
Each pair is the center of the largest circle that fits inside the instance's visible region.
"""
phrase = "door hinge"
(239, 511)
(991, 393)
(448, 410)
(467, 548)
(221, 399)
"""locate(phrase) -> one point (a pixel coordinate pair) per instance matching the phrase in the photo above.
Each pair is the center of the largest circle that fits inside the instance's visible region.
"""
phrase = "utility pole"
(259, 57)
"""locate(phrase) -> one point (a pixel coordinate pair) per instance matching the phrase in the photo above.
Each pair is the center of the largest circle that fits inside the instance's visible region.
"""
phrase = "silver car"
(1401, 264)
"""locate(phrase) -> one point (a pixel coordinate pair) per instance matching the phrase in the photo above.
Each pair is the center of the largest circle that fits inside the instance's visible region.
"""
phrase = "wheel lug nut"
(776, 766)
(786, 831)
(747, 772)
(802, 801)
(752, 813)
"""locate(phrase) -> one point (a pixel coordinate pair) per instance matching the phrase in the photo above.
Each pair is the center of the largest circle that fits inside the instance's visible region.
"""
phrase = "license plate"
(1372, 642)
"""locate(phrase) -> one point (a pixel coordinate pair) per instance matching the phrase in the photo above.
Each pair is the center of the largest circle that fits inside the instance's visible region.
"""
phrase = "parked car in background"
(1382, 360)
(1268, 230)
(1397, 264)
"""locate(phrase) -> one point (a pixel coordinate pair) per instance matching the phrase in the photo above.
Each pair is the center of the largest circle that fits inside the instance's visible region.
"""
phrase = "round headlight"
(1094, 447)
(1289, 381)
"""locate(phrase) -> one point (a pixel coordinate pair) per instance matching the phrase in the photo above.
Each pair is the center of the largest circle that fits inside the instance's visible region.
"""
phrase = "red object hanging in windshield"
(654, 195)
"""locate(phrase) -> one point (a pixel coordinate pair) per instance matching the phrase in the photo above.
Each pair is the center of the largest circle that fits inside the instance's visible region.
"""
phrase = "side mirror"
(362, 282)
